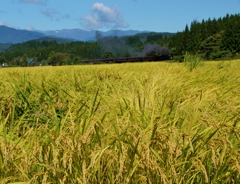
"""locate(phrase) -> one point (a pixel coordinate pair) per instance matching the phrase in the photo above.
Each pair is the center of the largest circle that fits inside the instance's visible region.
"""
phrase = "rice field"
(121, 123)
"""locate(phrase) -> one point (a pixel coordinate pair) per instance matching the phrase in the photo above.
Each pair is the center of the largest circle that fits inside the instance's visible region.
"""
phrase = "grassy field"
(121, 123)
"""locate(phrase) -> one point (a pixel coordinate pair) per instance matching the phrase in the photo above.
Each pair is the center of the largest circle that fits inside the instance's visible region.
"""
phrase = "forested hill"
(53, 52)
(211, 39)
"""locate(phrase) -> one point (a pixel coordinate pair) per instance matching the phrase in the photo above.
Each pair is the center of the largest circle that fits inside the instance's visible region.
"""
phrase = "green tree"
(3, 60)
(210, 47)
(203, 30)
(57, 58)
(194, 39)
(107, 55)
(24, 60)
(153, 38)
(186, 36)
(231, 37)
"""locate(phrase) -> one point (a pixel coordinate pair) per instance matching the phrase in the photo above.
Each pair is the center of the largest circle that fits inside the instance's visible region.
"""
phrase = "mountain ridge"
(13, 36)
(83, 35)
(10, 35)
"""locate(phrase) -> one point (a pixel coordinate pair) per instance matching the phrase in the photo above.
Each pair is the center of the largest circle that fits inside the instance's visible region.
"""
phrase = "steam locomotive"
(128, 59)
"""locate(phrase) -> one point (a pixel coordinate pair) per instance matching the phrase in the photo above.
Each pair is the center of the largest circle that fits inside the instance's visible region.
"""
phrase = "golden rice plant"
(121, 123)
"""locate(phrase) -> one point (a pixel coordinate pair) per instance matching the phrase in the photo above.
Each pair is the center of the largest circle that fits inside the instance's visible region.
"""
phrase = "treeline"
(211, 39)
(134, 46)
(49, 52)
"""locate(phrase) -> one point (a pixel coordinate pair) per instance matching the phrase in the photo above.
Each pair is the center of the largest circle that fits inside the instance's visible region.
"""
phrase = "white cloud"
(49, 12)
(40, 2)
(54, 14)
(103, 16)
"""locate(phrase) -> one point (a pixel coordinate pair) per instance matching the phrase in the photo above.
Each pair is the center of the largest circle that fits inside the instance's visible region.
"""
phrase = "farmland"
(121, 123)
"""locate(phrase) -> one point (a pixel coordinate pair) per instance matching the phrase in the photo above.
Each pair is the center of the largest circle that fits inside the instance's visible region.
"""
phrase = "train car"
(88, 61)
(149, 58)
(121, 60)
(107, 60)
(135, 59)
(128, 59)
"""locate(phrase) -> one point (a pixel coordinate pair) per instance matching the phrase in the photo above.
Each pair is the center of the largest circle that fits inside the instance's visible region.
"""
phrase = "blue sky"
(150, 15)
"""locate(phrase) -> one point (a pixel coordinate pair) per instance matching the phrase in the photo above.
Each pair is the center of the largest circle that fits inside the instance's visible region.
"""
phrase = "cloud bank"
(102, 16)
(54, 14)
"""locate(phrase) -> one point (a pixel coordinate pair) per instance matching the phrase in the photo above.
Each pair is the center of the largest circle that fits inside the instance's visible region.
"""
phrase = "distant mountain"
(82, 35)
(75, 34)
(11, 35)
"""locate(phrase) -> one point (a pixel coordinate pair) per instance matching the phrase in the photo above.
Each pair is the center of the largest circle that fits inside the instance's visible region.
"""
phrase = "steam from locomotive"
(151, 52)
(155, 50)
(121, 51)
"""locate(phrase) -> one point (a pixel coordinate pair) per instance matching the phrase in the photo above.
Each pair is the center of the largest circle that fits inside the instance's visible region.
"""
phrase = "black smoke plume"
(155, 50)
(98, 35)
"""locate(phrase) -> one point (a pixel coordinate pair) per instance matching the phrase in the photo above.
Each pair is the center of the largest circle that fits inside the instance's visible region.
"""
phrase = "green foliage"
(210, 47)
(4, 46)
(24, 60)
(58, 58)
(231, 36)
(179, 58)
(134, 41)
(192, 61)
(128, 46)
(2, 59)
(153, 38)
(106, 55)
(212, 39)
(42, 50)
(218, 55)
(158, 38)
